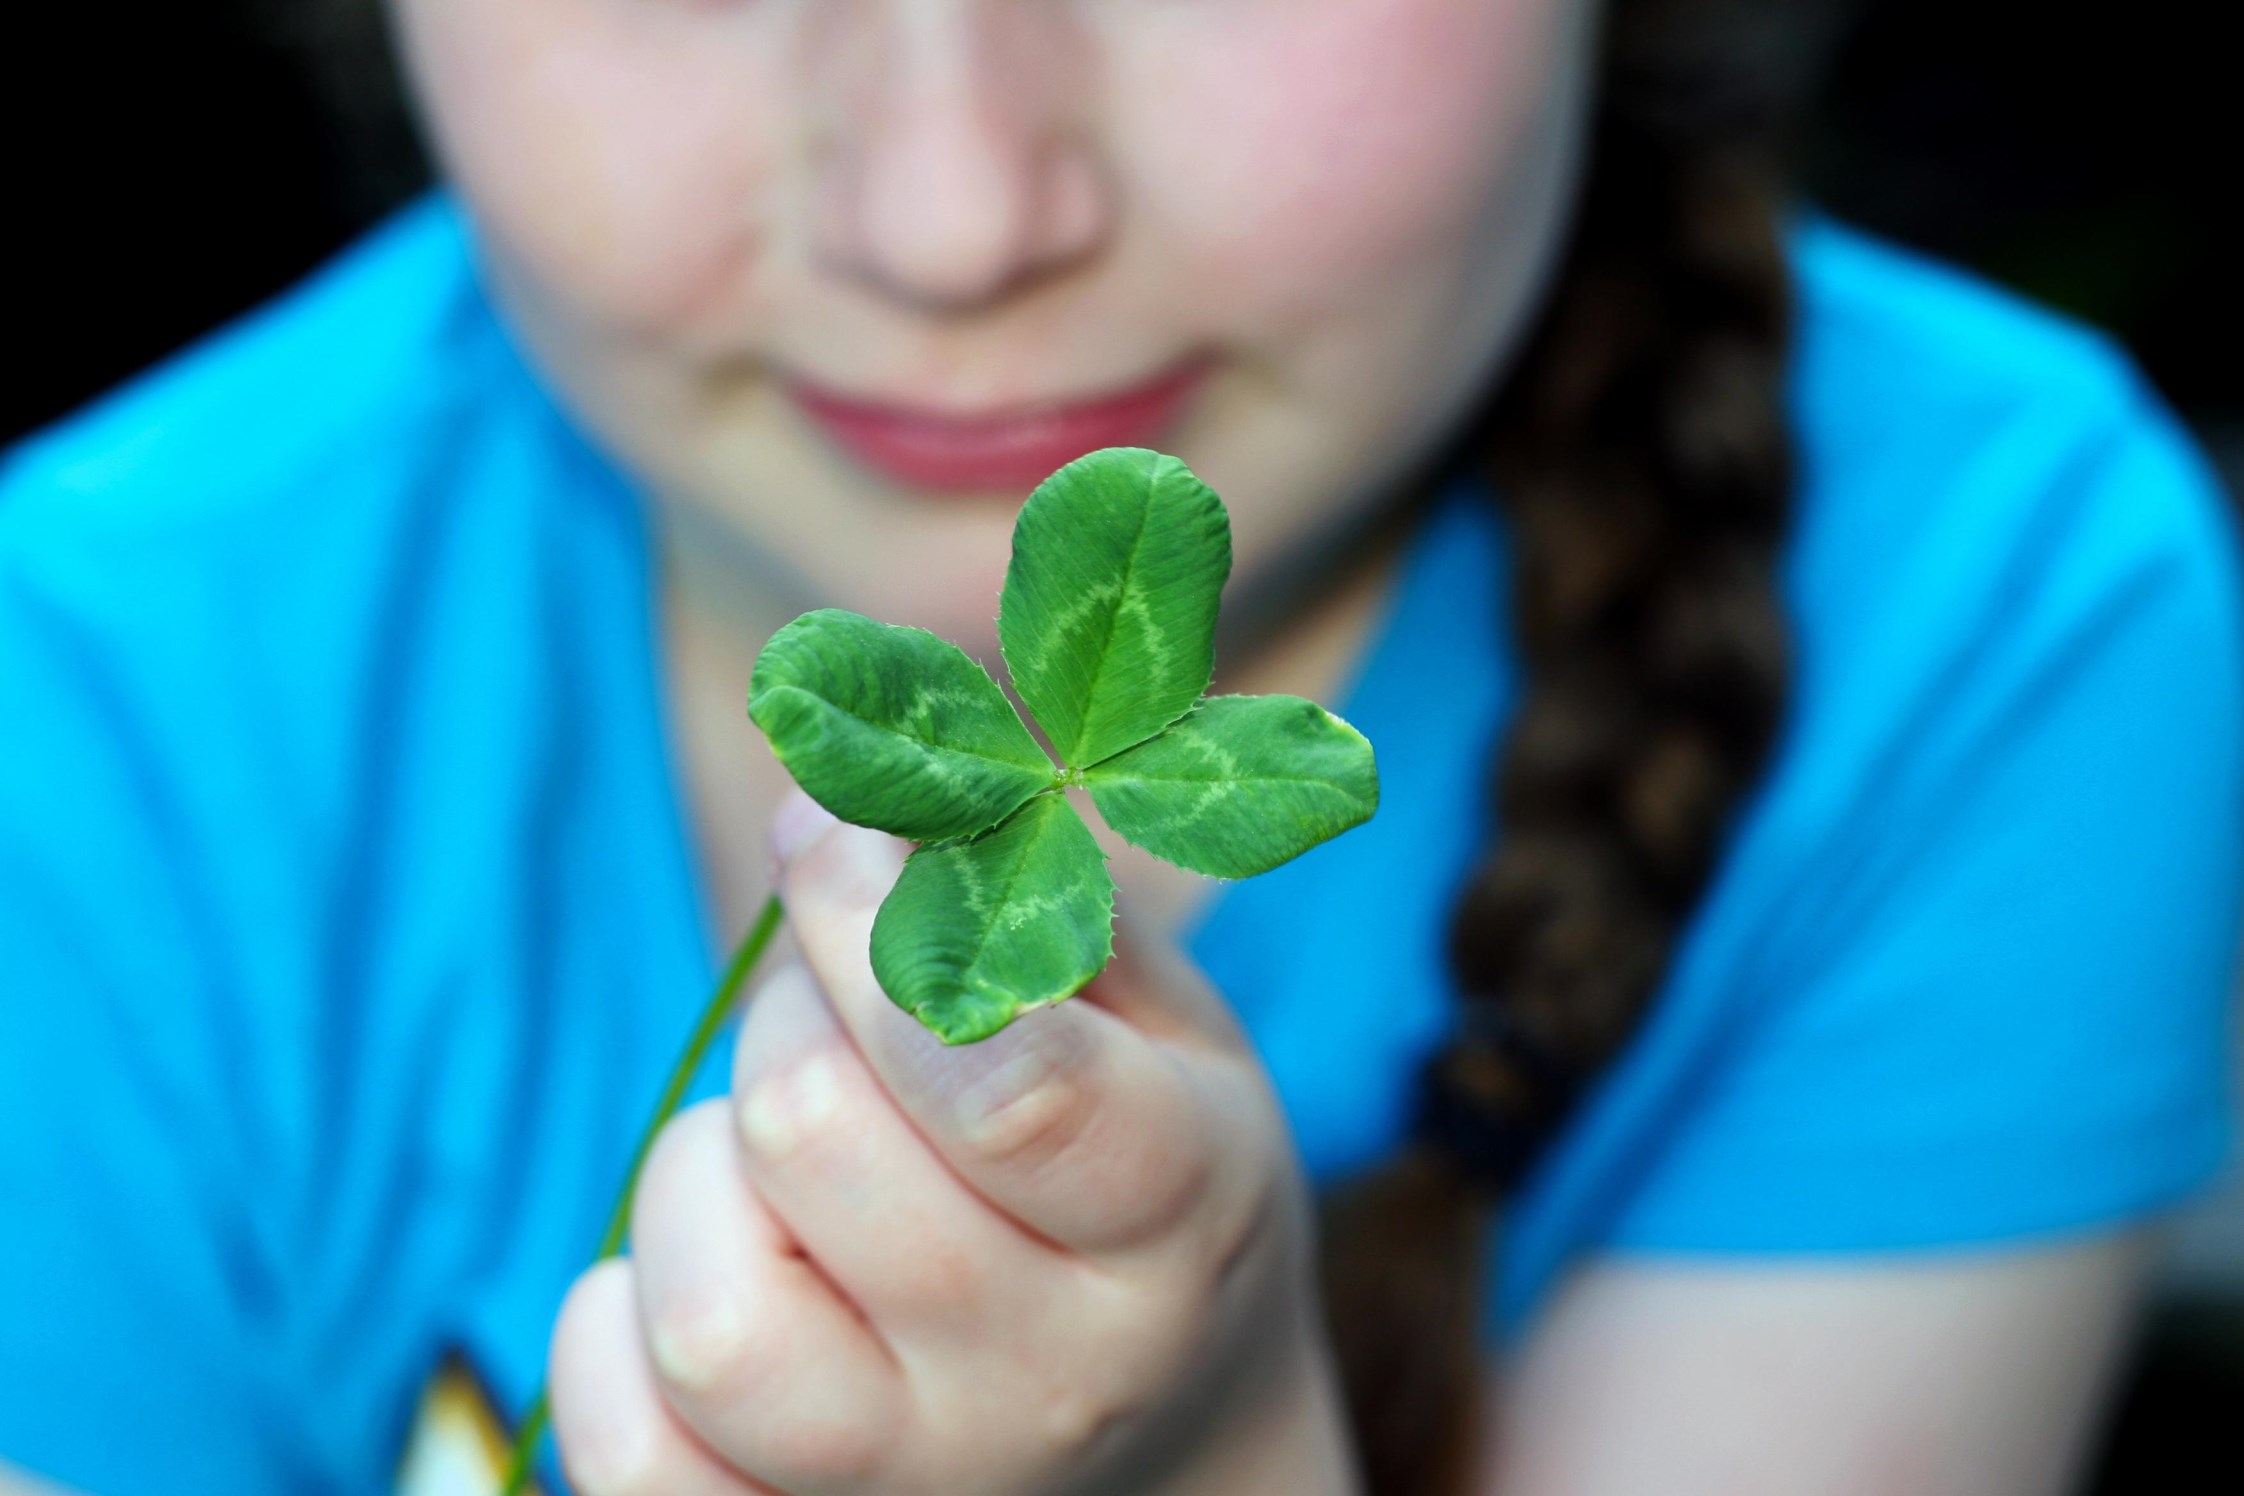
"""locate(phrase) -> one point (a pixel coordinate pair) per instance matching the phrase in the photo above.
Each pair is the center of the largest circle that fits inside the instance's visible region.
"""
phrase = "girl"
(1847, 654)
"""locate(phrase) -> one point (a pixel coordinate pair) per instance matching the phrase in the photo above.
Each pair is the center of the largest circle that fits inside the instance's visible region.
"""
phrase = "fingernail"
(991, 1088)
(797, 823)
(994, 1103)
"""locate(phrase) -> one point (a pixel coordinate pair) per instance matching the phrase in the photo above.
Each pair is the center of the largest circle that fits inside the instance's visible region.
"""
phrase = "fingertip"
(589, 1316)
(616, 1434)
(607, 1438)
(840, 872)
(797, 823)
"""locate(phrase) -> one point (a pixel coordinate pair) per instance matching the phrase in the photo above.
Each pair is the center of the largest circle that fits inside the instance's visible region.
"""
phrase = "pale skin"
(1077, 1257)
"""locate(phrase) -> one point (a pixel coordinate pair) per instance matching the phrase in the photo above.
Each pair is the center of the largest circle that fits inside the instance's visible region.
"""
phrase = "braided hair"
(1640, 461)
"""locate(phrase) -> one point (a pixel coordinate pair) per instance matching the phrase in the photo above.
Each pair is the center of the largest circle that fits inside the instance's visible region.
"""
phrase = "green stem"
(705, 1034)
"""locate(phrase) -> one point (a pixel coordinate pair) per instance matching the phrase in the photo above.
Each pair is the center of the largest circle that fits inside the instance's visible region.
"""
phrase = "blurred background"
(183, 159)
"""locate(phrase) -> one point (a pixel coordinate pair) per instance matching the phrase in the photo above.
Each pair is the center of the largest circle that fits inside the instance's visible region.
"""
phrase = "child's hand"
(1073, 1255)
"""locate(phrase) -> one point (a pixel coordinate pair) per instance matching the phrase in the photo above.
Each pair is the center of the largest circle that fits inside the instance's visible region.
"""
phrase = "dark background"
(175, 163)
(178, 162)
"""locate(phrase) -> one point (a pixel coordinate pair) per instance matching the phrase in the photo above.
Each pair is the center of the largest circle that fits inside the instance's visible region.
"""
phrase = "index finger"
(1072, 1120)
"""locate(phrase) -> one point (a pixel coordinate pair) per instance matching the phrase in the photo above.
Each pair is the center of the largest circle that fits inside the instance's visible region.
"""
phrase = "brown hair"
(1639, 457)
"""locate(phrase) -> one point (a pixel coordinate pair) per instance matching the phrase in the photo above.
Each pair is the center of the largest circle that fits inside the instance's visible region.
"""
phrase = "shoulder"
(223, 517)
(1991, 495)
(218, 581)
(257, 481)
(363, 349)
(1965, 973)
(2015, 582)
(1898, 318)
(1938, 414)
(279, 691)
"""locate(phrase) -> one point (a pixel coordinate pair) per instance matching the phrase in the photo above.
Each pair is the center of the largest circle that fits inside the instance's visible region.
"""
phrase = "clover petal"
(1240, 785)
(893, 727)
(1108, 617)
(977, 932)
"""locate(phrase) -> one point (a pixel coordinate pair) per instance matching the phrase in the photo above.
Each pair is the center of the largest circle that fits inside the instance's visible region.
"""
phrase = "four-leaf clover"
(1107, 626)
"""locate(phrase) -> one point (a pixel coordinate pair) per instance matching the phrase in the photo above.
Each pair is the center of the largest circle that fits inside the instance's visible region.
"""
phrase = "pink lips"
(1006, 450)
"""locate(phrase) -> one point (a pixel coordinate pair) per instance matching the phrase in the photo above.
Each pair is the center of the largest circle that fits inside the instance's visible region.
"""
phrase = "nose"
(957, 165)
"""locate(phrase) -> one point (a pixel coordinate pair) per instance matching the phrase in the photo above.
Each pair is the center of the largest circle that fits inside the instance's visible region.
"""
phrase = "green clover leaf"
(893, 727)
(975, 932)
(1107, 621)
(1239, 785)
(1107, 626)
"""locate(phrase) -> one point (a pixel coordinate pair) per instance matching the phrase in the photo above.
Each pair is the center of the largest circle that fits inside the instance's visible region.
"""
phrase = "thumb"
(1068, 1119)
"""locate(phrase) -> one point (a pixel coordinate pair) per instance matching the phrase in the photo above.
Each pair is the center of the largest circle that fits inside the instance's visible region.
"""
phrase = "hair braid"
(1640, 459)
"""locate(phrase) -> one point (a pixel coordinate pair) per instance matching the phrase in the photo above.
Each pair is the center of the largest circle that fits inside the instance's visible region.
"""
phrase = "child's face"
(1304, 231)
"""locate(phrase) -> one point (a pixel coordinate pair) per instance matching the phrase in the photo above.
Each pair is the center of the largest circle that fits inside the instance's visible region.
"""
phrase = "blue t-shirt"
(348, 915)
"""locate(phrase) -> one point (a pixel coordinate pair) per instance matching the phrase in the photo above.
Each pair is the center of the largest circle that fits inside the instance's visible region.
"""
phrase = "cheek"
(1313, 151)
(619, 155)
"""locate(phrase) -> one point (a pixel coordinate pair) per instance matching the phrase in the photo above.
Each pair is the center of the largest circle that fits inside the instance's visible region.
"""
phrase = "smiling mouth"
(1003, 451)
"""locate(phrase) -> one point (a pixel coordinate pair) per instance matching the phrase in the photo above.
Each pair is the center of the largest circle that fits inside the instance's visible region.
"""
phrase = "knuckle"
(826, 1453)
(1253, 1205)
(703, 1343)
(1174, 1331)
(1155, 1323)
(787, 1111)
(939, 1277)
(1165, 1180)
(1030, 1130)
(1132, 1327)
(1245, 1239)
(1173, 1189)
(1245, 1186)
(1032, 1108)
(1075, 1423)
